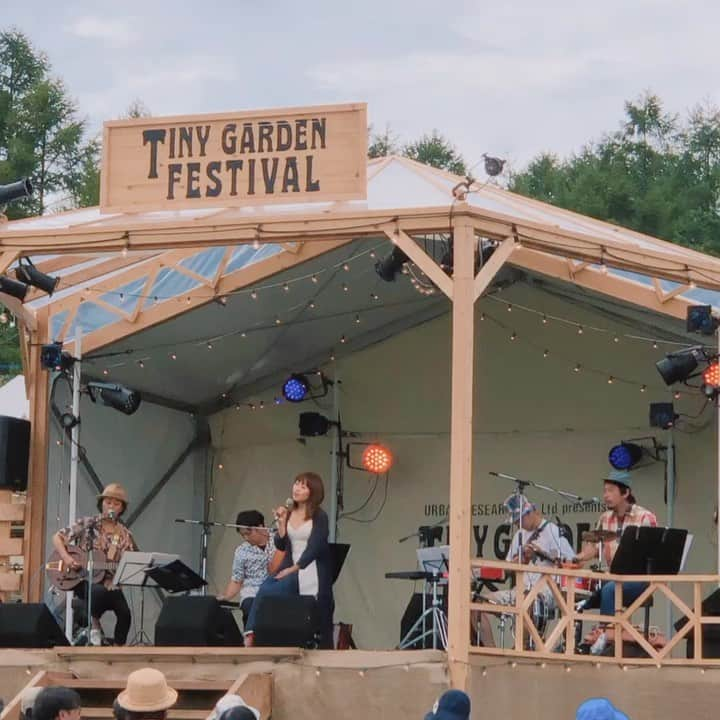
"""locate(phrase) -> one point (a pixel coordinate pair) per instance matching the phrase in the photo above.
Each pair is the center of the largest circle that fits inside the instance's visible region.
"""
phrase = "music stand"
(176, 577)
(132, 572)
(649, 551)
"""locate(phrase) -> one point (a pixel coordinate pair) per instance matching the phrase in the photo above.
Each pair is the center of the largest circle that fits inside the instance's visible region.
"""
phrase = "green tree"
(41, 135)
(436, 150)
(382, 145)
(657, 173)
(10, 362)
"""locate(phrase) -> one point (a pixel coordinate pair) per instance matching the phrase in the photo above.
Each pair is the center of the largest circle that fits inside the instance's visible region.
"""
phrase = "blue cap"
(452, 705)
(599, 709)
(518, 506)
(623, 477)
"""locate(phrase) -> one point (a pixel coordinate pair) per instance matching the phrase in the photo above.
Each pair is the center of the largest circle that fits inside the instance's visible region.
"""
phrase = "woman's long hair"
(317, 491)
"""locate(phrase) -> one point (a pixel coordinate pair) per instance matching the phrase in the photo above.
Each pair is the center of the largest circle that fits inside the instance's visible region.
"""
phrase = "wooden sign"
(311, 154)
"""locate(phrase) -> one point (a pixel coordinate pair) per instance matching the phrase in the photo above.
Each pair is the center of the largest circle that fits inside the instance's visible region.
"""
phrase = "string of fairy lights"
(355, 318)
(581, 329)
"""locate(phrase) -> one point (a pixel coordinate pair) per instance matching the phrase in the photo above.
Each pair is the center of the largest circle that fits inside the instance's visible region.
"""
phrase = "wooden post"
(461, 451)
(35, 516)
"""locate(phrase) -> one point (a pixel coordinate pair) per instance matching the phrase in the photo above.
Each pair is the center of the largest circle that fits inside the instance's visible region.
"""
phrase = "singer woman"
(108, 535)
(306, 569)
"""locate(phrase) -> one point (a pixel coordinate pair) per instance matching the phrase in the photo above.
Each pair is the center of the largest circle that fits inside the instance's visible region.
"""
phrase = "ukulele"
(65, 577)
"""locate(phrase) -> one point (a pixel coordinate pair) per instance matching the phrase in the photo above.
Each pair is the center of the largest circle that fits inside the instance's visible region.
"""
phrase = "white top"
(307, 577)
(549, 541)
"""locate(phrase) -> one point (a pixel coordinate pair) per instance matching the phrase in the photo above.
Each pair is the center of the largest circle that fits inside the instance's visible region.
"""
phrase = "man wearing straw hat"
(109, 535)
(146, 695)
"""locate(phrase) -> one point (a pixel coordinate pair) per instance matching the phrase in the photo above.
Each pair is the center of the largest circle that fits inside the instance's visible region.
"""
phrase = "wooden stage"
(306, 685)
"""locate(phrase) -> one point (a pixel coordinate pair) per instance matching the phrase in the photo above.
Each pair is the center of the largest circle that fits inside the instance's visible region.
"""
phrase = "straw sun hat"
(147, 691)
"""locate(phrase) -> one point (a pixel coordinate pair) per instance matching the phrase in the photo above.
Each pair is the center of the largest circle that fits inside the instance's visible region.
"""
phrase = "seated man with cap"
(106, 533)
(623, 511)
(146, 696)
(538, 542)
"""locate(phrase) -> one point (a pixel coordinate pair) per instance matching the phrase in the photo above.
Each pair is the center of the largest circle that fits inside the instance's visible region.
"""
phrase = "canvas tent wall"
(537, 419)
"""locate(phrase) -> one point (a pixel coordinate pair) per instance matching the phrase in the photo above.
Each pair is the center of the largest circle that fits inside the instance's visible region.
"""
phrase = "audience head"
(27, 701)
(146, 695)
(56, 703)
(451, 705)
(233, 707)
(599, 709)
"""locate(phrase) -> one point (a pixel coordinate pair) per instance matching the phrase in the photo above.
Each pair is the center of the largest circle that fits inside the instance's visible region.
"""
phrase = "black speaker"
(14, 453)
(412, 613)
(29, 625)
(197, 621)
(710, 633)
(287, 621)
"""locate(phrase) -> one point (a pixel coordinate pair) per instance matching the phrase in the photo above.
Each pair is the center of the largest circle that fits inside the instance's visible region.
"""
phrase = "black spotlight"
(662, 415)
(53, 357)
(678, 366)
(26, 272)
(388, 268)
(625, 455)
(13, 287)
(115, 396)
(493, 165)
(313, 424)
(700, 320)
(14, 191)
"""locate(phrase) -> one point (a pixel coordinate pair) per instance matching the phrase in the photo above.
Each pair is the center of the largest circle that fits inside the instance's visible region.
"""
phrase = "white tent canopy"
(13, 399)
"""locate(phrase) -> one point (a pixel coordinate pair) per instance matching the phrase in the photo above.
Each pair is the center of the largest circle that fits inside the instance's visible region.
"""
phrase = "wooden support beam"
(421, 259)
(7, 258)
(490, 269)
(602, 282)
(256, 690)
(19, 310)
(34, 550)
(461, 450)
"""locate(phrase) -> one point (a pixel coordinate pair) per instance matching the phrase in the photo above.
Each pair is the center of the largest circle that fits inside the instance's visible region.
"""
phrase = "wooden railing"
(12, 515)
(558, 640)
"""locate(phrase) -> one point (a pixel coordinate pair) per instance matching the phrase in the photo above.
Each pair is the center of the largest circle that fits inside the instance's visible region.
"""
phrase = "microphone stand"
(522, 484)
(90, 572)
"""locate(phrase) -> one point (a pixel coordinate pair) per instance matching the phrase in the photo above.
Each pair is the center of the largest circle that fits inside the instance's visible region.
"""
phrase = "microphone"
(111, 515)
(587, 501)
(503, 475)
(288, 505)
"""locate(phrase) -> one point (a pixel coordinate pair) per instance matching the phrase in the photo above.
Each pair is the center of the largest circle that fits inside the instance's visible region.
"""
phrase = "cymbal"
(596, 536)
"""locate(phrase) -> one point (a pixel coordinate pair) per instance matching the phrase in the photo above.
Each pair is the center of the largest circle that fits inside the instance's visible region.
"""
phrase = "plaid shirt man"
(636, 516)
(112, 544)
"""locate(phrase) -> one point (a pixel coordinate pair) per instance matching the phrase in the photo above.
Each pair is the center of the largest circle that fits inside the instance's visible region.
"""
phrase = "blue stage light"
(625, 455)
(296, 388)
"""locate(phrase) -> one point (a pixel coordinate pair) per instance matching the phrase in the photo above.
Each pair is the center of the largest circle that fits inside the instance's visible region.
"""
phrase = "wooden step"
(118, 684)
(100, 713)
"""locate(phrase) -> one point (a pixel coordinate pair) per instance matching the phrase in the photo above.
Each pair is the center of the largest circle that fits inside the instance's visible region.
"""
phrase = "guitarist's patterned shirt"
(111, 539)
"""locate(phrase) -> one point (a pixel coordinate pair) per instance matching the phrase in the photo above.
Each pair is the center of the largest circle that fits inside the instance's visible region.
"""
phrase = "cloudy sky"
(512, 78)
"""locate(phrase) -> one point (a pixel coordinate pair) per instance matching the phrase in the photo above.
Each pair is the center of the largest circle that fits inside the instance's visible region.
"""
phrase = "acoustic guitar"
(65, 577)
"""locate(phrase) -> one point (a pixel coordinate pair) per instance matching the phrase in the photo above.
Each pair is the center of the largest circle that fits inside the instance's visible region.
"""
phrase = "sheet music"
(435, 559)
(688, 542)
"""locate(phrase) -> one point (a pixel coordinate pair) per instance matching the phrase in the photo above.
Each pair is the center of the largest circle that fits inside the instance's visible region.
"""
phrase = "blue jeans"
(287, 586)
(630, 592)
